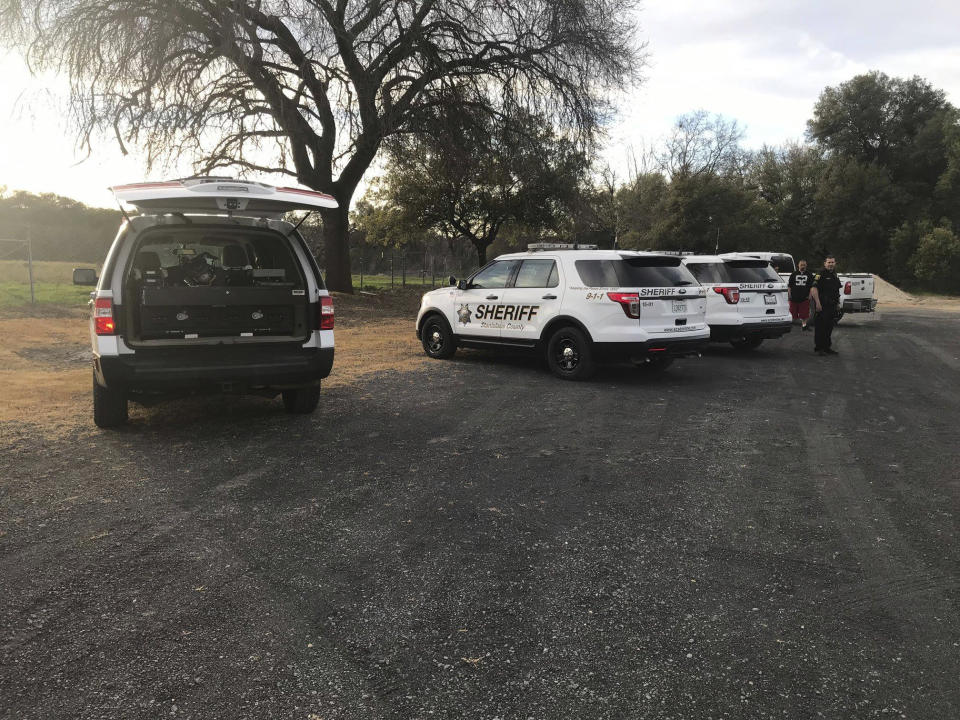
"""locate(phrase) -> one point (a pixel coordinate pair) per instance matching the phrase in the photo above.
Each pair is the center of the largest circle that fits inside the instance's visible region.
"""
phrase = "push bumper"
(725, 333)
(214, 369)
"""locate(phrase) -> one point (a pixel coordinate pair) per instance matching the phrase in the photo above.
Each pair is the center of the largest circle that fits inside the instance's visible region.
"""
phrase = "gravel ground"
(750, 535)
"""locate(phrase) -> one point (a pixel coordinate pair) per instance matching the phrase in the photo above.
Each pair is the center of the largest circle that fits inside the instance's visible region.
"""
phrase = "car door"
(532, 301)
(479, 307)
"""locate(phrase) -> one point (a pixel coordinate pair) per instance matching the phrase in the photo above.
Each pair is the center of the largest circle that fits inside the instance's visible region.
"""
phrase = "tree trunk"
(336, 244)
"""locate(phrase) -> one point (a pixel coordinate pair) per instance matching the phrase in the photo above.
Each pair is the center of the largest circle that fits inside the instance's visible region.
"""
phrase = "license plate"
(679, 307)
(770, 299)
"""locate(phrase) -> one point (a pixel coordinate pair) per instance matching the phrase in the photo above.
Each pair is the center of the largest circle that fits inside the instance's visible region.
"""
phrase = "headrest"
(147, 260)
(234, 256)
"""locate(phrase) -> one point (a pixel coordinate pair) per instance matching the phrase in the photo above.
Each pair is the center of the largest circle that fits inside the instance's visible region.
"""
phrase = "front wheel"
(301, 401)
(747, 343)
(569, 355)
(437, 339)
(109, 406)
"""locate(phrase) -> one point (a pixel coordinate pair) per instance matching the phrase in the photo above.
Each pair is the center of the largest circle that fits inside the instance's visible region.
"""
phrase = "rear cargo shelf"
(199, 312)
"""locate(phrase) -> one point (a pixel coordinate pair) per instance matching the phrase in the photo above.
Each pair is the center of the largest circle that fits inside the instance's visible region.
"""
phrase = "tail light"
(630, 302)
(848, 288)
(730, 294)
(103, 322)
(326, 313)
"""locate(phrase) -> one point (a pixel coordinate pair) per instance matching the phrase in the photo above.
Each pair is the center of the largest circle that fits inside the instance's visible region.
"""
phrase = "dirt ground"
(768, 534)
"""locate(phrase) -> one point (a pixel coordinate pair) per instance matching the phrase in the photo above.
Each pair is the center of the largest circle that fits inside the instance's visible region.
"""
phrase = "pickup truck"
(856, 289)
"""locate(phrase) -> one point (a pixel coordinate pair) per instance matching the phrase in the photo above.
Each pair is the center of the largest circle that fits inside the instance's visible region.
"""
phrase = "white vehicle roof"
(218, 196)
(703, 259)
(587, 254)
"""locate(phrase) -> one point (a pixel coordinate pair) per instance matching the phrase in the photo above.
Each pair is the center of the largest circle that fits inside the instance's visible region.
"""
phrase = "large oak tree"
(312, 88)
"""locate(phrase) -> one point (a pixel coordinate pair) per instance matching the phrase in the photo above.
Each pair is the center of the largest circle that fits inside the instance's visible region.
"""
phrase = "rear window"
(734, 271)
(709, 273)
(751, 271)
(634, 272)
(782, 263)
(198, 256)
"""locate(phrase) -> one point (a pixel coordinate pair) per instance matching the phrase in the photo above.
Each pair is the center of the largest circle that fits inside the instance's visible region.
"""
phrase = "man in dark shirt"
(825, 294)
(799, 284)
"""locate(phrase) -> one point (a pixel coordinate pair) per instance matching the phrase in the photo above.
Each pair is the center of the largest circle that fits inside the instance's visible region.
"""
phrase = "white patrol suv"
(207, 289)
(577, 306)
(746, 300)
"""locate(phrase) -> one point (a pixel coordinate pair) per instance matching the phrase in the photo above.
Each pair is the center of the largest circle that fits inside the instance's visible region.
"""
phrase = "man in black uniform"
(825, 294)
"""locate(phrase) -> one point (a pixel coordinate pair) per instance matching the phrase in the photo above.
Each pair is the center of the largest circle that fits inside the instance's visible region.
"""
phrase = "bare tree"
(311, 88)
(701, 144)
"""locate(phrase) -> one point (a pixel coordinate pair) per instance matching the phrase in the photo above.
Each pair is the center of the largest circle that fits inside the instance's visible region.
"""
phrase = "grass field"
(53, 283)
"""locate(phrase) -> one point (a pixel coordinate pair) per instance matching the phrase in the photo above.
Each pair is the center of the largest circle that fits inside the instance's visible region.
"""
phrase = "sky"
(760, 62)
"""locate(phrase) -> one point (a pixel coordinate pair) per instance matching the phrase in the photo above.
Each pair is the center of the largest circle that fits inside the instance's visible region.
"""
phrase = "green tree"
(472, 176)
(312, 88)
(936, 261)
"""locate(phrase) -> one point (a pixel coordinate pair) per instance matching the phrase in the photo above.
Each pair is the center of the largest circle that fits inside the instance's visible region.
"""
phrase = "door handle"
(549, 297)
(491, 297)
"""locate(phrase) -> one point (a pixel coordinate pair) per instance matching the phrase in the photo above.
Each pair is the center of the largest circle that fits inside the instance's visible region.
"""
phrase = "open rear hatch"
(219, 196)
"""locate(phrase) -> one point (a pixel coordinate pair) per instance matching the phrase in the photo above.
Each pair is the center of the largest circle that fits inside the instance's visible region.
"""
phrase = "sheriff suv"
(207, 289)
(746, 300)
(575, 306)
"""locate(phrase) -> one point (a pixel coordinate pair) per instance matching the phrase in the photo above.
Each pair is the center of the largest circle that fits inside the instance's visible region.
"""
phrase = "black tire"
(109, 406)
(301, 401)
(747, 343)
(569, 355)
(436, 337)
(655, 364)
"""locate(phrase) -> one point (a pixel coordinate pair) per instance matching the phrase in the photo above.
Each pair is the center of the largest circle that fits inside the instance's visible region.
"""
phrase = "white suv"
(747, 301)
(207, 289)
(576, 306)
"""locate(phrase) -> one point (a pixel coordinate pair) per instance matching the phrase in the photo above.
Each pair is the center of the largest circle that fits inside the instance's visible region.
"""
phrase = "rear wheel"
(437, 339)
(747, 343)
(109, 406)
(301, 401)
(569, 355)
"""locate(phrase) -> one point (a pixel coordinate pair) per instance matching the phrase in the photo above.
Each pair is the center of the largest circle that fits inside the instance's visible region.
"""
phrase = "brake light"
(848, 288)
(326, 313)
(630, 302)
(730, 294)
(103, 323)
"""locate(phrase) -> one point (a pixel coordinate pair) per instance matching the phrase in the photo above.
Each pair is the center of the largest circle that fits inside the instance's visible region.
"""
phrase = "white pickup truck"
(856, 289)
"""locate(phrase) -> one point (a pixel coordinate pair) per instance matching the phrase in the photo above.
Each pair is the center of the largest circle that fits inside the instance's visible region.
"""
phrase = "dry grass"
(45, 384)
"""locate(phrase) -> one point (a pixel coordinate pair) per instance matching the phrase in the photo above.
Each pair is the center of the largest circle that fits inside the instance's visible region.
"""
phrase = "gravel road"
(750, 535)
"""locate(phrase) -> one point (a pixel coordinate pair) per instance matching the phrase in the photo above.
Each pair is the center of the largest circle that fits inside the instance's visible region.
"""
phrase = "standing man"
(799, 284)
(825, 294)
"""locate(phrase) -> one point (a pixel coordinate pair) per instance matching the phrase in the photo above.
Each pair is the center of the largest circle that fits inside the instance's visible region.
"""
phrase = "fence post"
(403, 267)
(33, 300)
(391, 269)
(361, 267)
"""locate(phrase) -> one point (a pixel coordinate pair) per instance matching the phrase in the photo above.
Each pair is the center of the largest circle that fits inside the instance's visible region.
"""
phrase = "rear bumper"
(620, 352)
(227, 368)
(861, 305)
(725, 333)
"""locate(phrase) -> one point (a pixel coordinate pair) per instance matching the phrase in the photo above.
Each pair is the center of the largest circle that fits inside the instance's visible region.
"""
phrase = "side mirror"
(84, 276)
(452, 280)
(462, 285)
